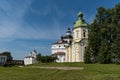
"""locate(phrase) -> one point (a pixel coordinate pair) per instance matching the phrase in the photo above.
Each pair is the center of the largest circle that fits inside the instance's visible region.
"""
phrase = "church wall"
(61, 58)
(59, 48)
(70, 57)
(81, 53)
(73, 53)
(77, 34)
(69, 54)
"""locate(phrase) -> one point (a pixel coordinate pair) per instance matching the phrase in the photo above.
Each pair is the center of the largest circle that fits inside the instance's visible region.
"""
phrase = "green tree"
(38, 57)
(104, 36)
(107, 32)
(104, 56)
(94, 40)
(116, 51)
(46, 59)
(87, 55)
(116, 48)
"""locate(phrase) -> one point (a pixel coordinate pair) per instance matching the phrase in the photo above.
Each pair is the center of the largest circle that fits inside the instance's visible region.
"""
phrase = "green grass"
(90, 72)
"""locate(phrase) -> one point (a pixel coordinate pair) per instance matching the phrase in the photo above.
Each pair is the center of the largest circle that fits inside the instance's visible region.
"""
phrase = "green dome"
(80, 22)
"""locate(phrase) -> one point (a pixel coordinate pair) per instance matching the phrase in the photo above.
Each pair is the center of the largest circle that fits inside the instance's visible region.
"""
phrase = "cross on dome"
(80, 15)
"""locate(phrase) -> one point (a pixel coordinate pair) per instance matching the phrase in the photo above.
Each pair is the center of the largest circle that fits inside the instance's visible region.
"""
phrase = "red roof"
(59, 53)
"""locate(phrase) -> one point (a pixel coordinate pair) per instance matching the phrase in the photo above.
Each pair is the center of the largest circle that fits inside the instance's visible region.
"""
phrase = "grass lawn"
(90, 72)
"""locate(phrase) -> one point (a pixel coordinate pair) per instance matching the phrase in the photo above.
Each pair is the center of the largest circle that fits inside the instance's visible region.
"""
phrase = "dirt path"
(60, 68)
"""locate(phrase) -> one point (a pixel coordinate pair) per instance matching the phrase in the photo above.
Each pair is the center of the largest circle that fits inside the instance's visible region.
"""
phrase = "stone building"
(31, 59)
(3, 59)
(71, 49)
(59, 48)
(75, 51)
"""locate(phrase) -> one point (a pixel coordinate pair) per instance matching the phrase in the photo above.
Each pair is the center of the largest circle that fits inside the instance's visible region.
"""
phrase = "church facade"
(74, 50)
(31, 59)
(59, 47)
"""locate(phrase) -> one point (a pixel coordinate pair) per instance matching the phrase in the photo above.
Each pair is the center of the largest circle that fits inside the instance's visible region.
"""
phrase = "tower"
(59, 48)
(68, 33)
(73, 45)
(80, 35)
(68, 37)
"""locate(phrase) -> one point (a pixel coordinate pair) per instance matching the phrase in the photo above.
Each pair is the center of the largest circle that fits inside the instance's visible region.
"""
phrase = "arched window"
(84, 33)
(59, 46)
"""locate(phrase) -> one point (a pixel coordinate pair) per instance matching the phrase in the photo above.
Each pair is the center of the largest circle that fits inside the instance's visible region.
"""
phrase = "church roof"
(67, 37)
(61, 42)
(80, 22)
(68, 30)
(2, 54)
(59, 53)
(68, 34)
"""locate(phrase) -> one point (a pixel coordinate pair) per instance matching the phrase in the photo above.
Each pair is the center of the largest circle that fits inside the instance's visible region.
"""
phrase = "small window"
(84, 33)
(70, 42)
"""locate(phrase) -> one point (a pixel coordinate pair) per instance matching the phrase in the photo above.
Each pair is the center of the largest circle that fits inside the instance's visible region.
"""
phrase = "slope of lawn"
(90, 72)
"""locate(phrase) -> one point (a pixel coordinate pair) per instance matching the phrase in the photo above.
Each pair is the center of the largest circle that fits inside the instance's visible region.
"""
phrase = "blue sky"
(26, 25)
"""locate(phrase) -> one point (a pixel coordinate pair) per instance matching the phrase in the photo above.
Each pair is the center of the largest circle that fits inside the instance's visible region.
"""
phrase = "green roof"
(80, 22)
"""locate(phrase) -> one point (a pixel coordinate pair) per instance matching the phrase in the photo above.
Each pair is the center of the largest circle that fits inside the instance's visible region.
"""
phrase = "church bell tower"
(80, 35)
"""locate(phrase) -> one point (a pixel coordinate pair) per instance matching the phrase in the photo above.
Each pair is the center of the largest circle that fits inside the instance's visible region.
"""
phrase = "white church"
(71, 47)
(59, 47)
(31, 59)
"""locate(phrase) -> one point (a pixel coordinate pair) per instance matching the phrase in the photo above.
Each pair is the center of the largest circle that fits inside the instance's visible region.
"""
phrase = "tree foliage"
(38, 57)
(87, 55)
(104, 36)
(45, 59)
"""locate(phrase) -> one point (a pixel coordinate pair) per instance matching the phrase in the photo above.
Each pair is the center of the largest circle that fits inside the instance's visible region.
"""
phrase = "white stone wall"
(59, 48)
(78, 34)
(29, 60)
(61, 58)
(3, 60)
(77, 49)
(68, 56)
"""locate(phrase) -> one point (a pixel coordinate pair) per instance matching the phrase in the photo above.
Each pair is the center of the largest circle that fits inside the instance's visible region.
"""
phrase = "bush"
(46, 59)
